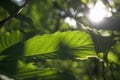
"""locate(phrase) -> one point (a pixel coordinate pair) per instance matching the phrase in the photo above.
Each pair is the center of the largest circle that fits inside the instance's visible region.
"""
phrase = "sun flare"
(98, 12)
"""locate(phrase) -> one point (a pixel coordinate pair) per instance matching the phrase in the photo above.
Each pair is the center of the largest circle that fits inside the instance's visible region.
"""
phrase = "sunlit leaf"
(8, 39)
(74, 43)
(113, 58)
(84, 1)
(69, 44)
(35, 73)
(23, 67)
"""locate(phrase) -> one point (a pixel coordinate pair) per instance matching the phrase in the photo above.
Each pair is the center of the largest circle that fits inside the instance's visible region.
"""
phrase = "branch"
(17, 11)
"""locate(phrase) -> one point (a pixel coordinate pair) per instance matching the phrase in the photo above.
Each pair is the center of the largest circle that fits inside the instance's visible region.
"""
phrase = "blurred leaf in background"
(58, 40)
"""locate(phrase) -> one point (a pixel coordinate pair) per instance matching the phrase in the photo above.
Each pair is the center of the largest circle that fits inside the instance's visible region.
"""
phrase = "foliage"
(37, 44)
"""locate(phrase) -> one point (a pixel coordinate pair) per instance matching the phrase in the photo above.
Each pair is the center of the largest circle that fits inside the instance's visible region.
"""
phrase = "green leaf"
(23, 67)
(44, 73)
(74, 43)
(84, 1)
(8, 39)
(40, 48)
(63, 45)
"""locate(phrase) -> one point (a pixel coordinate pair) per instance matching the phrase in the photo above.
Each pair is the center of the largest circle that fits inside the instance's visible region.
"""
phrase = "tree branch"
(17, 11)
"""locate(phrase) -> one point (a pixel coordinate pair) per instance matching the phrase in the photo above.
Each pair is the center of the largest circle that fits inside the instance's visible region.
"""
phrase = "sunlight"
(19, 0)
(99, 12)
(4, 77)
(71, 22)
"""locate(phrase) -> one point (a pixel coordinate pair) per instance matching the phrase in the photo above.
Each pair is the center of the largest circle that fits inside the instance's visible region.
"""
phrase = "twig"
(103, 64)
(103, 70)
(17, 11)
